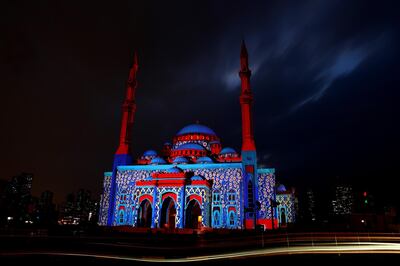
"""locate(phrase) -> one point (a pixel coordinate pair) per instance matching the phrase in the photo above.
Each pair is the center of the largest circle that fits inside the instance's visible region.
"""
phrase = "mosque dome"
(227, 150)
(180, 159)
(174, 170)
(196, 177)
(157, 160)
(204, 159)
(281, 188)
(196, 129)
(150, 153)
(199, 135)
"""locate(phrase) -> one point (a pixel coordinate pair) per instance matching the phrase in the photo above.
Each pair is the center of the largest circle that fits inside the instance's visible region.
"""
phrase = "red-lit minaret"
(246, 102)
(249, 155)
(128, 111)
(123, 154)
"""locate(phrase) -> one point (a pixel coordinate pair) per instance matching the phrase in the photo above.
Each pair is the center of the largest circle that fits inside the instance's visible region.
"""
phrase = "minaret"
(249, 155)
(246, 102)
(123, 154)
(128, 111)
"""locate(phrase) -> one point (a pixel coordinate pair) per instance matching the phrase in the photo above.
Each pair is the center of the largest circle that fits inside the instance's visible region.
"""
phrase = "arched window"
(121, 217)
(216, 218)
(231, 219)
(283, 217)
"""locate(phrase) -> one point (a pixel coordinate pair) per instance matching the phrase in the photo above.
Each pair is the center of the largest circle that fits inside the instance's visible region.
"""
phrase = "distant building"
(311, 212)
(342, 204)
(79, 209)
(46, 209)
(286, 205)
(17, 199)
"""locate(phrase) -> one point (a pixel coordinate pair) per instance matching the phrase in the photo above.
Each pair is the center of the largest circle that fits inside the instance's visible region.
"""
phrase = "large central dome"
(196, 128)
(197, 136)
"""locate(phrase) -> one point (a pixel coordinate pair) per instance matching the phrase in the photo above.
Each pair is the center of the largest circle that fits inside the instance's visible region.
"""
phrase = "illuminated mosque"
(194, 182)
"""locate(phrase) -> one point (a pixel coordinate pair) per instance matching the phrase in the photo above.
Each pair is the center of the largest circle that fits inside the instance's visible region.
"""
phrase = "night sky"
(325, 79)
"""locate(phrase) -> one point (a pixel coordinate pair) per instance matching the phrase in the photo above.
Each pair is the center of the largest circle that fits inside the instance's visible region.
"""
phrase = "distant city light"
(362, 221)
(9, 218)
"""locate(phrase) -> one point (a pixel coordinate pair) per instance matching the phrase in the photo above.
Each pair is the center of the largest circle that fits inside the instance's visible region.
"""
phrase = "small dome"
(150, 153)
(174, 170)
(196, 128)
(190, 146)
(281, 188)
(180, 159)
(227, 150)
(196, 177)
(204, 159)
(158, 160)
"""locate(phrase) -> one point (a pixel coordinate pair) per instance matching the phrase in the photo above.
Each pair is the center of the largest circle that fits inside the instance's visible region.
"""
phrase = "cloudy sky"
(325, 79)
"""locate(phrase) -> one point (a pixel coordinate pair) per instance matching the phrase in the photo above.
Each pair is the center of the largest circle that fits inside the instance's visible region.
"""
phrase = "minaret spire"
(128, 110)
(244, 61)
(246, 101)
(123, 154)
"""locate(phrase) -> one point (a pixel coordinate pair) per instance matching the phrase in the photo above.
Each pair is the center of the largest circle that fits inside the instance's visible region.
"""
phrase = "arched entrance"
(193, 212)
(283, 217)
(144, 214)
(168, 213)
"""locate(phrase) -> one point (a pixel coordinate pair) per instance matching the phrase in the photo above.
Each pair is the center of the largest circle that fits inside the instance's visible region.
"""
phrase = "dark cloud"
(325, 78)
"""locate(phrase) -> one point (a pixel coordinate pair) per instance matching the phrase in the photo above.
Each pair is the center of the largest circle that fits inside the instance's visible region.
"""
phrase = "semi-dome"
(150, 153)
(281, 188)
(158, 160)
(196, 128)
(227, 150)
(174, 170)
(180, 159)
(196, 177)
(190, 146)
(204, 159)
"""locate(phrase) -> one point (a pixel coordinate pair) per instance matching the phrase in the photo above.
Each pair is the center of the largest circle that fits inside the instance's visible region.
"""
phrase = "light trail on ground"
(343, 248)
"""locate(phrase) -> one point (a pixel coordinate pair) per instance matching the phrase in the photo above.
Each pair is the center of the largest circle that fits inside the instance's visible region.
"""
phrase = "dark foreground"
(313, 248)
(307, 259)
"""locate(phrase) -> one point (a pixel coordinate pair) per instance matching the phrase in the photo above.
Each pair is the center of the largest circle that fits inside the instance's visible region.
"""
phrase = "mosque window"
(123, 196)
(216, 218)
(121, 217)
(231, 219)
(216, 197)
(231, 196)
